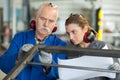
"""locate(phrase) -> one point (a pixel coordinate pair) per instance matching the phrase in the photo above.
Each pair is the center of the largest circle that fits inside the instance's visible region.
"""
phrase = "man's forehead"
(48, 9)
(50, 5)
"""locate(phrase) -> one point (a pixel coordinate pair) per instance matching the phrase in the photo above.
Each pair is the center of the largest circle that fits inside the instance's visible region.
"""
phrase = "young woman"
(82, 35)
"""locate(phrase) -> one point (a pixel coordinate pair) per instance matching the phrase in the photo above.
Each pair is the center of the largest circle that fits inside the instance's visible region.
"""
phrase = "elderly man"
(22, 42)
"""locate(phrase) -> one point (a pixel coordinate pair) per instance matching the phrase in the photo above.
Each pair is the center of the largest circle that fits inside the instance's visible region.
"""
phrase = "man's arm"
(8, 59)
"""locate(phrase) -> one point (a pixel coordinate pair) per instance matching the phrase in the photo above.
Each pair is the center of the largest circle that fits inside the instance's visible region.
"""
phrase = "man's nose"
(46, 23)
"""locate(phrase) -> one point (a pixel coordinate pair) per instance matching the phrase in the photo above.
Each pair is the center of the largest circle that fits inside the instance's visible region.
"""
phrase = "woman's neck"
(84, 45)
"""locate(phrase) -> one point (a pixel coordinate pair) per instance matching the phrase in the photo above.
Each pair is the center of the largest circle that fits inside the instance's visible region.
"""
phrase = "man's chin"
(44, 36)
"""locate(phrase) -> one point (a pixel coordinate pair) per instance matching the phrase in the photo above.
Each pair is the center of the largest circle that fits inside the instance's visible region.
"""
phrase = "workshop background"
(103, 15)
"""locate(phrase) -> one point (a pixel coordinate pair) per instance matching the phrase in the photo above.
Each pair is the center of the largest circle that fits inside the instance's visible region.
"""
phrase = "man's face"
(45, 21)
(75, 33)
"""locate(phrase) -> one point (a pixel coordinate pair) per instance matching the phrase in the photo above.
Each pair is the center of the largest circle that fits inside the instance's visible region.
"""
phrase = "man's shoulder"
(57, 40)
(54, 36)
(24, 33)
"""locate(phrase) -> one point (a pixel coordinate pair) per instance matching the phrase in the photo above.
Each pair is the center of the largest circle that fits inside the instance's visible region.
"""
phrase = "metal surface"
(68, 50)
(81, 51)
(76, 67)
(17, 69)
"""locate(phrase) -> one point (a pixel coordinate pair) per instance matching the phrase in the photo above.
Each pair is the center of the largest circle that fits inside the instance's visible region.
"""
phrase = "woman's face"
(75, 33)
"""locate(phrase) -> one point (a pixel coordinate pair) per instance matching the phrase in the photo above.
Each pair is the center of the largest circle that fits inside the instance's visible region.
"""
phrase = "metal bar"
(81, 51)
(67, 50)
(76, 67)
(17, 69)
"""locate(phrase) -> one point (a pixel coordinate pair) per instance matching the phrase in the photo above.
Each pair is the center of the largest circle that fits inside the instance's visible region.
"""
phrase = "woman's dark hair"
(77, 19)
(80, 20)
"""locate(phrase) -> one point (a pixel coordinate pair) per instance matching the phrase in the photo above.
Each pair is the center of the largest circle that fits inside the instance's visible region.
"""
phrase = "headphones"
(89, 36)
(33, 26)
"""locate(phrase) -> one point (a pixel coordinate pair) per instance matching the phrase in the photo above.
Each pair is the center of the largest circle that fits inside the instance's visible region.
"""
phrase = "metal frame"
(65, 50)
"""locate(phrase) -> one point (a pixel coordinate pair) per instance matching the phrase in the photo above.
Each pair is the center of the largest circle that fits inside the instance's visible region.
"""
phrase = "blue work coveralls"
(31, 72)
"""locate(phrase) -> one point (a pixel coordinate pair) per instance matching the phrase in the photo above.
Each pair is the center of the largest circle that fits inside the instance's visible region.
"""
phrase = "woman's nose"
(71, 36)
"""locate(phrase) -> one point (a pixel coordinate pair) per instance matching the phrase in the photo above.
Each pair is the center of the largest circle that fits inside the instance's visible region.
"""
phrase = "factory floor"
(2, 75)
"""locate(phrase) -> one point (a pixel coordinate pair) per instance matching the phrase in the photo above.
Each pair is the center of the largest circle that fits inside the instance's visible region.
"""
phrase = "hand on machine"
(114, 66)
(25, 48)
(44, 57)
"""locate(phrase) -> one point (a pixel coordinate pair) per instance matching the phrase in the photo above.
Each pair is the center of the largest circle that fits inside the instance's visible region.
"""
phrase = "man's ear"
(33, 24)
(54, 29)
(35, 15)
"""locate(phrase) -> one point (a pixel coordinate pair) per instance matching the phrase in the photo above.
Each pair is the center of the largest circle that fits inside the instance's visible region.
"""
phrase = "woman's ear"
(85, 29)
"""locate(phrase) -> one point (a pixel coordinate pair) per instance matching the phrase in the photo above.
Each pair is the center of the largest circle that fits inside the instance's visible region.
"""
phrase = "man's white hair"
(47, 5)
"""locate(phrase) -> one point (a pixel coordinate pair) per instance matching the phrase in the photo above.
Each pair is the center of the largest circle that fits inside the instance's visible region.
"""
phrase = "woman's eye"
(74, 32)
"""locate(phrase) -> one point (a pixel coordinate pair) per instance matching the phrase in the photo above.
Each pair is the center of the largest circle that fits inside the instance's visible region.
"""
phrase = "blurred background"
(103, 15)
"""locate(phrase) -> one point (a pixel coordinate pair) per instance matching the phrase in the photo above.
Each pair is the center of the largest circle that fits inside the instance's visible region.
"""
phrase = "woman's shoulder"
(98, 44)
